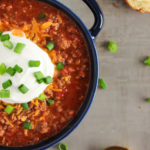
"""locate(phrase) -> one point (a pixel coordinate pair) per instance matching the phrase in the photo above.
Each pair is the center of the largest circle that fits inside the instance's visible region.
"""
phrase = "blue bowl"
(90, 36)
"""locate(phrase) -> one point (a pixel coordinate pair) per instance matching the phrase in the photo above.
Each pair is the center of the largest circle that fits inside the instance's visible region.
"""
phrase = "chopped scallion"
(112, 47)
(42, 97)
(5, 37)
(2, 68)
(11, 71)
(9, 109)
(8, 44)
(48, 80)
(50, 46)
(62, 146)
(27, 125)
(25, 106)
(147, 61)
(38, 75)
(60, 66)
(34, 63)
(42, 16)
(4, 94)
(19, 47)
(23, 89)
(50, 102)
(102, 84)
(6, 84)
(40, 81)
(18, 69)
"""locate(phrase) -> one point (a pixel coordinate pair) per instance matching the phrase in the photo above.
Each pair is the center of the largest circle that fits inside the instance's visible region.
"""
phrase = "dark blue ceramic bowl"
(89, 35)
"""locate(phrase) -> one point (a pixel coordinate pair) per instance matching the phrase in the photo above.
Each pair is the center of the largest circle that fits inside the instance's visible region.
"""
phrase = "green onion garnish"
(48, 80)
(50, 102)
(4, 94)
(112, 47)
(50, 46)
(62, 146)
(42, 97)
(6, 84)
(1, 32)
(9, 109)
(34, 63)
(147, 61)
(102, 84)
(25, 106)
(2, 68)
(8, 44)
(5, 37)
(38, 75)
(11, 71)
(19, 47)
(42, 16)
(148, 100)
(40, 81)
(23, 89)
(18, 69)
(60, 66)
(27, 125)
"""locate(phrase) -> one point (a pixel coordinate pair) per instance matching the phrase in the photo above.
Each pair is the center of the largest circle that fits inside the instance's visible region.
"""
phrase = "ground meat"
(63, 42)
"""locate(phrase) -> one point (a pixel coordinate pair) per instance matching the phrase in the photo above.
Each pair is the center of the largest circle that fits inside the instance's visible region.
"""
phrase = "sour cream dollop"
(30, 52)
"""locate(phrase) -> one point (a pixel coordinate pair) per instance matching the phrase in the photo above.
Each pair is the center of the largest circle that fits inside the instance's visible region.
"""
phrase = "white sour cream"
(30, 52)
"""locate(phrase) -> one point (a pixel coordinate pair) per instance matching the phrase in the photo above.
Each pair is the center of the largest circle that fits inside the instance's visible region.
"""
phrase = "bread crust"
(142, 10)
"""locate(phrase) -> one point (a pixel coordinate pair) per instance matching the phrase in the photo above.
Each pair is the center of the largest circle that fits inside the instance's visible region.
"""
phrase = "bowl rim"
(72, 125)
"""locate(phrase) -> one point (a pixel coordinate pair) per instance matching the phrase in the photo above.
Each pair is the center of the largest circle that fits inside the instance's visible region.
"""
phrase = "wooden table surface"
(120, 115)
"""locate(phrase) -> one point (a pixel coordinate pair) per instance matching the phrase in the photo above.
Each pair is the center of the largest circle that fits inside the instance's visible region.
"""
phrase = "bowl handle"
(98, 15)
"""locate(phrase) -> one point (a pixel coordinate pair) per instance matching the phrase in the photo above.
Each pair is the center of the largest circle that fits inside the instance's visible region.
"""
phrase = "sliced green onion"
(18, 69)
(48, 80)
(147, 61)
(23, 89)
(42, 97)
(34, 63)
(60, 66)
(25, 106)
(5, 37)
(8, 44)
(2, 68)
(40, 81)
(148, 100)
(50, 102)
(62, 146)
(19, 47)
(6, 84)
(38, 75)
(27, 125)
(4, 93)
(112, 47)
(102, 84)
(50, 46)
(42, 16)
(1, 32)
(11, 71)
(9, 109)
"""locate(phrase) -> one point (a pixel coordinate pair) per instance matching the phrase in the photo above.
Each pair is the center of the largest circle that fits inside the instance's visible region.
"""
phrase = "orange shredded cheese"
(17, 32)
(46, 25)
(1, 106)
(66, 78)
(26, 132)
(8, 122)
(3, 140)
(36, 113)
(23, 118)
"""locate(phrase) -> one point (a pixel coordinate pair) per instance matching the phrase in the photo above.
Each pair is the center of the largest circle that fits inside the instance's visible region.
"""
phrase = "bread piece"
(140, 5)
